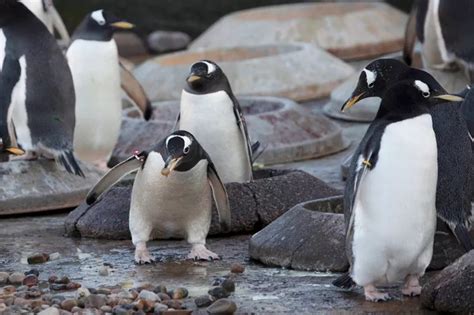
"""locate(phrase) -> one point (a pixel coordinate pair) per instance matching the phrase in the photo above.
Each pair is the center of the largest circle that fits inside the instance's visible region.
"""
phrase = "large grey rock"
(347, 30)
(296, 71)
(130, 45)
(452, 290)
(253, 205)
(288, 132)
(311, 236)
(165, 41)
(41, 185)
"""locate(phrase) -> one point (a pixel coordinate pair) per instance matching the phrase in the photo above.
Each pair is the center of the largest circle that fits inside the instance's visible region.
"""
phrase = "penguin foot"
(374, 295)
(200, 252)
(142, 255)
(28, 156)
(412, 286)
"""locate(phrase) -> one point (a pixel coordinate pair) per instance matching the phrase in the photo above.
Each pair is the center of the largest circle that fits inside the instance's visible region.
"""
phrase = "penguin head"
(100, 25)
(206, 77)
(181, 153)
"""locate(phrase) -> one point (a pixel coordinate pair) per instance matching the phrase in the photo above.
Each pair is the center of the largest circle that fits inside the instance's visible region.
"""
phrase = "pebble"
(106, 309)
(82, 293)
(104, 291)
(9, 289)
(4, 277)
(228, 285)
(30, 280)
(52, 279)
(50, 311)
(203, 301)
(173, 304)
(160, 308)
(160, 289)
(104, 271)
(222, 306)
(3, 307)
(148, 296)
(63, 280)
(237, 268)
(68, 304)
(33, 272)
(95, 301)
(163, 41)
(16, 278)
(218, 293)
(180, 293)
(164, 296)
(58, 287)
(38, 259)
(54, 256)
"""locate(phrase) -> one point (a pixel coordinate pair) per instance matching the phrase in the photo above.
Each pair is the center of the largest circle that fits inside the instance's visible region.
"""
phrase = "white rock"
(50, 311)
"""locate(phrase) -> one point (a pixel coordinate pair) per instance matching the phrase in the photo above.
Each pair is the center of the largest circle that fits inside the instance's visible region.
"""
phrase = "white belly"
(171, 205)
(395, 215)
(210, 118)
(95, 70)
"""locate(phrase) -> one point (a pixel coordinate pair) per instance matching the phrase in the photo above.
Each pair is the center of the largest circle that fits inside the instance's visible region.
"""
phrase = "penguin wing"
(220, 196)
(9, 77)
(135, 92)
(410, 36)
(128, 166)
(58, 24)
(243, 129)
(467, 110)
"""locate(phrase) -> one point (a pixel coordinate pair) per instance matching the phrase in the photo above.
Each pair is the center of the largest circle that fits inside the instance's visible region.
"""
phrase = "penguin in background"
(210, 111)
(37, 87)
(453, 198)
(47, 13)
(172, 195)
(98, 80)
(390, 200)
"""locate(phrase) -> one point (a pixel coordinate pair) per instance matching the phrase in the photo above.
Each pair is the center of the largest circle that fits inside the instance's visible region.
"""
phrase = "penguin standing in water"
(37, 87)
(453, 198)
(94, 62)
(176, 203)
(210, 111)
(391, 198)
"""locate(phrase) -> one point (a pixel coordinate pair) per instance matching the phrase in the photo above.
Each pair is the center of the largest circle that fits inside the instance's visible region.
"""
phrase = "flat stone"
(452, 290)
(288, 131)
(165, 41)
(222, 307)
(296, 71)
(253, 205)
(347, 30)
(41, 185)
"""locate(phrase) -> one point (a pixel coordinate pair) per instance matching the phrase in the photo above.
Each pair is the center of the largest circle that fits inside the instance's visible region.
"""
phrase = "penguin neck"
(397, 111)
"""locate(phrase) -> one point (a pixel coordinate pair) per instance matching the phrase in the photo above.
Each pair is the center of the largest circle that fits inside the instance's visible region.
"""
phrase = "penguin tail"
(344, 282)
(69, 162)
(464, 238)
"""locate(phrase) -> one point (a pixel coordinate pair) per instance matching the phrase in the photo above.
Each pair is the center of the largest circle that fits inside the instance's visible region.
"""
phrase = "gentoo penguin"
(94, 62)
(390, 201)
(453, 199)
(172, 195)
(37, 86)
(210, 111)
(47, 13)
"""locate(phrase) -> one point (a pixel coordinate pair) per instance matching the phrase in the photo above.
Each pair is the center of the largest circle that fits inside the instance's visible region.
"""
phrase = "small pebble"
(33, 272)
(148, 296)
(54, 256)
(58, 287)
(33, 294)
(73, 286)
(95, 301)
(173, 304)
(160, 308)
(180, 293)
(228, 285)
(4, 277)
(218, 293)
(63, 280)
(203, 301)
(104, 271)
(104, 291)
(164, 296)
(16, 278)
(68, 304)
(52, 279)
(38, 259)
(222, 306)
(9, 289)
(106, 309)
(82, 293)
(76, 309)
(30, 280)
(160, 289)
(237, 268)
(50, 311)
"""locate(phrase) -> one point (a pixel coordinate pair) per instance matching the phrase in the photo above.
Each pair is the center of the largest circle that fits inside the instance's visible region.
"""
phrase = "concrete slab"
(33, 186)
(295, 71)
(347, 30)
(288, 132)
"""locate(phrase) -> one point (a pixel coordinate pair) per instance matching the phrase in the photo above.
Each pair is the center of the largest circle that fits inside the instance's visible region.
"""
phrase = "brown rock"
(30, 280)
(38, 259)
(237, 268)
(68, 304)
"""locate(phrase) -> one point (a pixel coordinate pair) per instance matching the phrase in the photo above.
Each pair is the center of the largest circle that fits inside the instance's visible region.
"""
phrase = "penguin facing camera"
(172, 195)
(390, 200)
(98, 81)
(37, 89)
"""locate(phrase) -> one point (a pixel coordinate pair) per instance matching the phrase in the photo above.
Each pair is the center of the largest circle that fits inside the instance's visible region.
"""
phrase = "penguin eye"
(101, 22)
(426, 94)
(371, 85)
(186, 150)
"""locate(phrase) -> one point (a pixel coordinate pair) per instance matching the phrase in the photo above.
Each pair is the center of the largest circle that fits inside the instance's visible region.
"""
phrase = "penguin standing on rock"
(176, 203)
(37, 87)
(391, 198)
(210, 111)
(455, 175)
(94, 62)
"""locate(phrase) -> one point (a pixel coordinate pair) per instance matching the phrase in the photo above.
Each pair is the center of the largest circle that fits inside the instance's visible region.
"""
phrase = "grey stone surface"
(288, 131)
(310, 236)
(129, 44)
(41, 185)
(347, 30)
(253, 205)
(452, 290)
(165, 41)
(296, 71)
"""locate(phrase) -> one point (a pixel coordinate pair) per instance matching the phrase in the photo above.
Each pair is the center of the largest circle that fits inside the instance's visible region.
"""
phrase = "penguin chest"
(173, 204)
(211, 119)
(395, 215)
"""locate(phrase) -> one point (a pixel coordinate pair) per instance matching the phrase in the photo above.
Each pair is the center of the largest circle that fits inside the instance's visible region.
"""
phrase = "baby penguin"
(172, 195)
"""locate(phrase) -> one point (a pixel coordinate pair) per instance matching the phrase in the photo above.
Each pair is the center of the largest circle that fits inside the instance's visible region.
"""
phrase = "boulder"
(452, 290)
(130, 44)
(166, 41)
(253, 205)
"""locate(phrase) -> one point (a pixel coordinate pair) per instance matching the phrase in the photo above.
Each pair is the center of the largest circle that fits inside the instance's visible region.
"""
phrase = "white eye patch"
(423, 87)
(210, 67)
(187, 142)
(371, 76)
(98, 16)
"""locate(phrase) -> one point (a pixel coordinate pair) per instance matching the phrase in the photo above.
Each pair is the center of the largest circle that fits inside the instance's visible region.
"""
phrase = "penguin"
(98, 78)
(453, 199)
(47, 13)
(390, 201)
(172, 195)
(37, 87)
(210, 111)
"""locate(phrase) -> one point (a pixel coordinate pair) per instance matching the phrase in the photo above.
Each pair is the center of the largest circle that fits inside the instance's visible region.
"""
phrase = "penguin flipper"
(9, 77)
(220, 197)
(410, 37)
(128, 166)
(135, 92)
(243, 129)
(58, 24)
(344, 282)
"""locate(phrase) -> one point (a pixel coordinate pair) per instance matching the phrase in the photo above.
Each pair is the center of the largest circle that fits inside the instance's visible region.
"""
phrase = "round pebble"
(237, 268)
(228, 285)
(38, 259)
(203, 301)
(148, 296)
(218, 293)
(95, 301)
(180, 293)
(4, 277)
(222, 306)
(30, 280)
(68, 304)
(16, 278)
(54, 256)
(104, 271)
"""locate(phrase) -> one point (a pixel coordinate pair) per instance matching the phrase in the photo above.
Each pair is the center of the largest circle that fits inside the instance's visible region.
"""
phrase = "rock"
(38, 259)
(106, 309)
(63, 280)
(95, 301)
(164, 296)
(160, 308)
(173, 304)
(58, 287)
(160, 289)
(82, 293)
(50, 311)
(452, 290)
(165, 41)
(180, 293)
(228, 285)
(130, 45)
(52, 279)
(253, 205)
(4, 277)
(30, 280)
(68, 304)
(104, 291)
(148, 296)
(311, 236)
(218, 293)
(104, 271)
(203, 301)
(237, 268)
(54, 256)
(222, 306)
(16, 278)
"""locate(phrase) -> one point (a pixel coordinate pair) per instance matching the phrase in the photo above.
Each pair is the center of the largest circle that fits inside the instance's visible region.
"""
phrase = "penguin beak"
(450, 98)
(193, 78)
(123, 25)
(170, 165)
(352, 101)
(15, 151)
